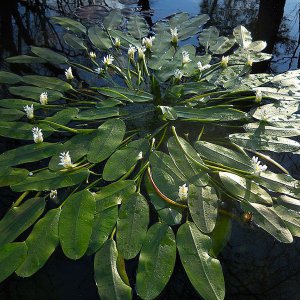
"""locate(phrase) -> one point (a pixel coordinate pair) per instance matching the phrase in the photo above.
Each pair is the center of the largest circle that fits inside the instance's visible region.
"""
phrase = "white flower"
(258, 96)
(37, 135)
(174, 34)
(147, 42)
(185, 57)
(117, 42)
(65, 160)
(141, 51)
(224, 61)
(258, 168)
(53, 194)
(131, 51)
(140, 155)
(183, 192)
(69, 74)
(98, 71)
(44, 98)
(201, 67)
(178, 74)
(249, 61)
(92, 55)
(108, 60)
(29, 111)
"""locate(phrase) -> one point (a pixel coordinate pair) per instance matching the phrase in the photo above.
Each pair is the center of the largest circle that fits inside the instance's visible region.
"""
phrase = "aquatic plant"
(158, 149)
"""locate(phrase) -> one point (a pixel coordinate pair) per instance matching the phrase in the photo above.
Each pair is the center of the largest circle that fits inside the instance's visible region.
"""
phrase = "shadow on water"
(255, 265)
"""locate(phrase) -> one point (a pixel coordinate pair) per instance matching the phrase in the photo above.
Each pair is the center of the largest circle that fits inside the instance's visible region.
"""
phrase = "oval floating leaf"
(49, 55)
(9, 78)
(76, 223)
(74, 42)
(69, 24)
(24, 59)
(99, 38)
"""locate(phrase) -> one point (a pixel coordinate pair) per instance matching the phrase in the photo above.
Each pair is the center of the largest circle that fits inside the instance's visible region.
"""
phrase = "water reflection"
(255, 266)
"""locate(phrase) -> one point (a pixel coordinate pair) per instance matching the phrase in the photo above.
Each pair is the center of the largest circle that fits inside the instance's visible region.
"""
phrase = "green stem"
(60, 126)
(20, 199)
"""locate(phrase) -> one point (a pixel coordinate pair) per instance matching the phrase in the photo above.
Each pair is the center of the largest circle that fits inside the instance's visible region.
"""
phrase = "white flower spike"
(224, 61)
(183, 192)
(174, 33)
(249, 61)
(53, 194)
(117, 42)
(65, 160)
(44, 98)
(92, 55)
(29, 111)
(178, 74)
(258, 96)
(131, 51)
(98, 71)
(201, 67)
(141, 52)
(258, 168)
(69, 74)
(148, 42)
(37, 135)
(108, 60)
(185, 57)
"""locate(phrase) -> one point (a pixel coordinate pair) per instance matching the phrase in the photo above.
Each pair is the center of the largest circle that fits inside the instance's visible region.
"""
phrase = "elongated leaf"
(204, 271)
(113, 194)
(10, 176)
(245, 189)
(243, 36)
(108, 280)
(99, 38)
(125, 159)
(267, 219)
(47, 180)
(99, 113)
(18, 103)
(113, 20)
(260, 129)
(41, 243)
(191, 26)
(11, 114)
(275, 144)
(28, 153)
(157, 260)
(34, 93)
(9, 78)
(76, 223)
(108, 137)
(104, 222)
(69, 24)
(75, 42)
(137, 27)
(224, 156)
(18, 219)
(203, 206)
(208, 36)
(51, 83)
(49, 55)
(289, 202)
(24, 59)
(132, 225)
(11, 256)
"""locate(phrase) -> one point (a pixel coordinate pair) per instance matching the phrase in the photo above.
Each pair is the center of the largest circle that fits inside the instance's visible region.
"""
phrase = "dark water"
(255, 265)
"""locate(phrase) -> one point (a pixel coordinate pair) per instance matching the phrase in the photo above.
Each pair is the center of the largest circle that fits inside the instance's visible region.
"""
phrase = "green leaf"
(28, 153)
(132, 225)
(18, 219)
(270, 143)
(245, 189)
(10, 176)
(18, 104)
(204, 271)
(108, 137)
(24, 59)
(109, 283)
(41, 243)
(9, 78)
(191, 26)
(125, 159)
(222, 45)
(224, 156)
(76, 223)
(11, 256)
(104, 222)
(99, 38)
(267, 219)
(64, 116)
(47, 180)
(113, 20)
(208, 36)
(137, 27)
(51, 83)
(243, 36)
(113, 194)
(49, 55)
(98, 113)
(34, 93)
(289, 202)
(156, 262)
(203, 206)
(69, 24)
(10, 114)
(74, 42)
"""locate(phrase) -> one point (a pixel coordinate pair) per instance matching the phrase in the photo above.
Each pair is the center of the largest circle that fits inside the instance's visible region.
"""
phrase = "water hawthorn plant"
(153, 154)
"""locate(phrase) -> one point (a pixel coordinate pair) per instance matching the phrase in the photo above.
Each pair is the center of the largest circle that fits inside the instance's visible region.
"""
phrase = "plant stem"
(20, 199)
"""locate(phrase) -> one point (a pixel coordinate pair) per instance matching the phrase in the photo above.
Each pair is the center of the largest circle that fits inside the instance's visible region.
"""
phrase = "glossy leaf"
(243, 36)
(204, 271)
(132, 225)
(113, 20)
(76, 223)
(10, 176)
(18, 219)
(24, 59)
(49, 55)
(109, 283)
(34, 93)
(70, 24)
(137, 27)
(156, 262)
(9, 78)
(11, 114)
(41, 243)
(99, 38)
(99, 113)
(75, 42)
